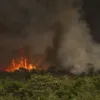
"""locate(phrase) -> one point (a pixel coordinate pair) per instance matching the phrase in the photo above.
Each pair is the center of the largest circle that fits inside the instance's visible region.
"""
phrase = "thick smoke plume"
(77, 52)
(48, 27)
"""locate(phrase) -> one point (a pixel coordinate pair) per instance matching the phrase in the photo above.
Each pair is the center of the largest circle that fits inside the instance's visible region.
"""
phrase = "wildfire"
(22, 63)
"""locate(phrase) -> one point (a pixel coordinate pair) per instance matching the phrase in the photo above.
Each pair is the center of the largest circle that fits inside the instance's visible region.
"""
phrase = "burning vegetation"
(23, 62)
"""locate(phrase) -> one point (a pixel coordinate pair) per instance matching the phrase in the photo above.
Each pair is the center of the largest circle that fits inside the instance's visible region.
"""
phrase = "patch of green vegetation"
(49, 87)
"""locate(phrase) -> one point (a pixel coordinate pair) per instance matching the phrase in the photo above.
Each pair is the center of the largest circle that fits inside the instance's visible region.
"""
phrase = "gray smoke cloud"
(77, 51)
(48, 27)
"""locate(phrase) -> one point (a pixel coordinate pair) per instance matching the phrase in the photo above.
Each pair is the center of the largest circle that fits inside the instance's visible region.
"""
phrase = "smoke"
(24, 23)
(48, 27)
(77, 51)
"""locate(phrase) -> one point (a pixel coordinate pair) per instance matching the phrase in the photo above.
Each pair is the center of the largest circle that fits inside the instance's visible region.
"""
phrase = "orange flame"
(22, 63)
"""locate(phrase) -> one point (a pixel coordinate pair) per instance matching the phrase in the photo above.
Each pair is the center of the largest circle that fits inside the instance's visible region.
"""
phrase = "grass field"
(47, 86)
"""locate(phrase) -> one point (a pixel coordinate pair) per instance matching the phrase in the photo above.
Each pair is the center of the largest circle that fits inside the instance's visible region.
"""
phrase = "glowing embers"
(20, 63)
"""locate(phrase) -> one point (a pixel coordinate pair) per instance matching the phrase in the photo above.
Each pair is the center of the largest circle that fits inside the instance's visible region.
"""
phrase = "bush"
(49, 87)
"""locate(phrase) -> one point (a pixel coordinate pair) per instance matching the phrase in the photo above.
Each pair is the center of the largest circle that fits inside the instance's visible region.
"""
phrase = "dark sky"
(20, 19)
(92, 15)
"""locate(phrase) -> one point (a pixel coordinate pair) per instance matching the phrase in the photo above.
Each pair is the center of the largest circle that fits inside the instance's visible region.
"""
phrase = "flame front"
(22, 63)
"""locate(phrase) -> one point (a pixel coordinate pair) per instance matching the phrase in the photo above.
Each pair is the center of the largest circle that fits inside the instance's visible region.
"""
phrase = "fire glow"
(22, 63)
